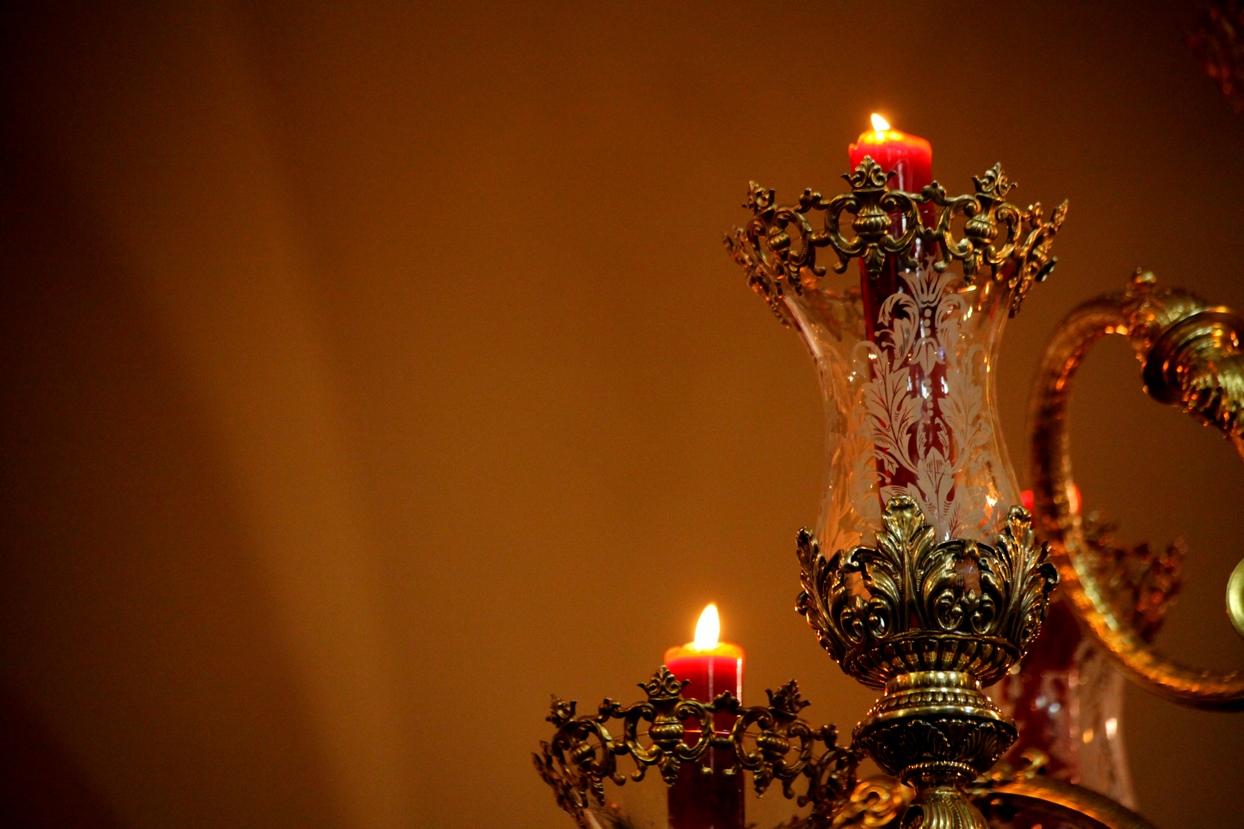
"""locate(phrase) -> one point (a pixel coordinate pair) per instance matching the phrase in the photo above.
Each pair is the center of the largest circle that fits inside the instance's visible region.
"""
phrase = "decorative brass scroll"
(771, 742)
(779, 245)
(915, 604)
(931, 622)
(1192, 358)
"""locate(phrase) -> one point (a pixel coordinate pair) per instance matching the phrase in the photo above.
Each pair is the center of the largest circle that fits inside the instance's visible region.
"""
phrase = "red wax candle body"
(697, 800)
(910, 159)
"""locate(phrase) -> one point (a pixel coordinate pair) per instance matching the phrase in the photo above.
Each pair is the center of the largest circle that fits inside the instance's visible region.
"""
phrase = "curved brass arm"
(1024, 787)
(1073, 804)
(1192, 358)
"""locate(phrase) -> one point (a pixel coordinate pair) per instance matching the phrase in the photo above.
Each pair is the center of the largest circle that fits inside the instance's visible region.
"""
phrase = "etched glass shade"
(906, 367)
(906, 345)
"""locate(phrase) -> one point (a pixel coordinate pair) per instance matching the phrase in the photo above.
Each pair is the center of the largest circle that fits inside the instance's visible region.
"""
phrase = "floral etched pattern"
(924, 404)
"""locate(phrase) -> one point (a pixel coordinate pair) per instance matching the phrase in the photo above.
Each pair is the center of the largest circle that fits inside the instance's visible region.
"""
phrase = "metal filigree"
(1191, 357)
(872, 204)
(1140, 582)
(772, 742)
(931, 622)
(874, 803)
(987, 214)
(777, 249)
(914, 604)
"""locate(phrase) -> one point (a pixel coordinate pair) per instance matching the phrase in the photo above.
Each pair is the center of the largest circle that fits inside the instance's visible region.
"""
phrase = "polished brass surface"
(1191, 357)
(935, 731)
(1007, 791)
(875, 802)
(1057, 800)
(777, 249)
(915, 604)
(1235, 597)
(770, 741)
(930, 622)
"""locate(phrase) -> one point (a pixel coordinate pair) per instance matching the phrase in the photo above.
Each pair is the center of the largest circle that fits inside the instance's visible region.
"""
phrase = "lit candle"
(709, 665)
(697, 800)
(910, 158)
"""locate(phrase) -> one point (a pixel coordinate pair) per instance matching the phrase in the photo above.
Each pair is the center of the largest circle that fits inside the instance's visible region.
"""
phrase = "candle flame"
(708, 629)
(879, 124)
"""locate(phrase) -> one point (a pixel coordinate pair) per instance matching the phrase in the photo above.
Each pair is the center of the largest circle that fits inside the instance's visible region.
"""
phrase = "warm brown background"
(371, 371)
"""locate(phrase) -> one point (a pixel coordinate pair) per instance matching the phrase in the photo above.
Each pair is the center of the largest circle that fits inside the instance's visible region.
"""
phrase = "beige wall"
(371, 371)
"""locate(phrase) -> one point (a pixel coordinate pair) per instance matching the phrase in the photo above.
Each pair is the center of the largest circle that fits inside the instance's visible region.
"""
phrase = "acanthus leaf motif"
(910, 586)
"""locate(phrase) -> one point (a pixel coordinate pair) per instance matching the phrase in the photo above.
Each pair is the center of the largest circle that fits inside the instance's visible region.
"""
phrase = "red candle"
(698, 800)
(910, 158)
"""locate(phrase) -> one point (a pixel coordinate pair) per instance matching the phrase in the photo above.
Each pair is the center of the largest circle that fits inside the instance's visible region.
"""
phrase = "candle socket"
(930, 622)
(936, 731)
(778, 248)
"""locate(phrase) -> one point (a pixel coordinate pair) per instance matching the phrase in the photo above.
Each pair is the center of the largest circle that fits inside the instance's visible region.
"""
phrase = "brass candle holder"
(931, 623)
(937, 584)
(771, 742)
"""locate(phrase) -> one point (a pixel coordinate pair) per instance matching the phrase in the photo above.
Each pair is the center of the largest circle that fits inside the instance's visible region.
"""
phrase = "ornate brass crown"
(770, 741)
(914, 604)
(931, 622)
(780, 242)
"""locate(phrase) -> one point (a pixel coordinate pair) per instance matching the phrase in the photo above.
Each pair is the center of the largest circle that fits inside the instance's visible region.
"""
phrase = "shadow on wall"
(40, 783)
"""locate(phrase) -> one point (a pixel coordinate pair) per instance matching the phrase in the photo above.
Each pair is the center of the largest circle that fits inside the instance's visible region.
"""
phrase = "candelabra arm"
(1192, 358)
(1007, 790)
(1069, 802)
(771, 742)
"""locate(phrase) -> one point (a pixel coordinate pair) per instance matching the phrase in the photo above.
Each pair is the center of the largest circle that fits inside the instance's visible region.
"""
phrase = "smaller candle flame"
(708, 629)
(879, 124)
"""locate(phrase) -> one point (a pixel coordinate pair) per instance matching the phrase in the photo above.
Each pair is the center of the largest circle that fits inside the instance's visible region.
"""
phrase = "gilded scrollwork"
(778, 246)
(931, 622)
(956, 602)
(1030, 764)
(871, 203)
(771, 742)
(1140, 582)
(986, 213)
(1035, 263)
(874, 803)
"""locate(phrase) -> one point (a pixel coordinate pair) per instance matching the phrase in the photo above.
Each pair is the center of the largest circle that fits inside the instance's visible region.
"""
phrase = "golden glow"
(879, 124)
(708, 629)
